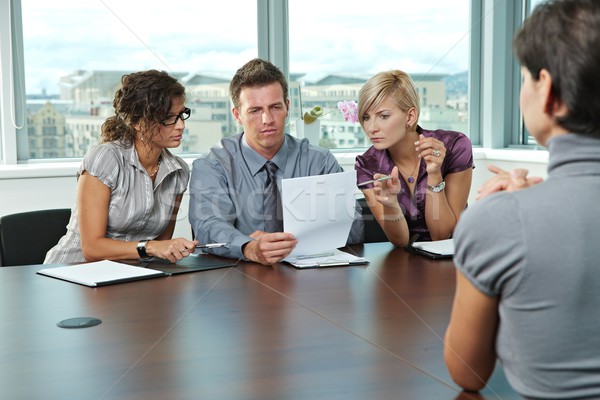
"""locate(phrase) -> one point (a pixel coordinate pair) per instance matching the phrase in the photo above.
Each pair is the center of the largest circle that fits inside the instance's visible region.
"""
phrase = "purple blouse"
(459, 157)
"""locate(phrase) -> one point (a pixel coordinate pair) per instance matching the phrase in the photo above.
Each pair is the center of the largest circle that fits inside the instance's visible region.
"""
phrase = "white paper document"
(319, 211)
(101, 273)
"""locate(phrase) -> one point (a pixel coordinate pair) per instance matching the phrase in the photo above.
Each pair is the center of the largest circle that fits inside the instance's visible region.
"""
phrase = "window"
(335, 47)
(527, 139)
(75, 54)
(72, 54)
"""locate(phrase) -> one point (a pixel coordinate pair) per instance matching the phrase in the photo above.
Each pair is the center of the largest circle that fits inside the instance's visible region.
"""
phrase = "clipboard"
(335, 258)
(192, 263)
(106, 272)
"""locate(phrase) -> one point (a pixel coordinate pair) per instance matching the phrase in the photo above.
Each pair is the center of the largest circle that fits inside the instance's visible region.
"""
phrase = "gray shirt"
(537, 250)
(226, 189)
(137, 209)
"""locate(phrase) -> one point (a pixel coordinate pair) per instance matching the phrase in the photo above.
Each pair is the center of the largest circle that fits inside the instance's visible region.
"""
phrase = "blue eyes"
(382, 116)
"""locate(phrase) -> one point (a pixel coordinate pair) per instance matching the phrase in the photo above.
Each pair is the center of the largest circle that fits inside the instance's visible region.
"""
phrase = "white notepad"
(101, 273)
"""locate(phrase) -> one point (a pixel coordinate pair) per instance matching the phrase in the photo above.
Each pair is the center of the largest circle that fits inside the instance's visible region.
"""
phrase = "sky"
(217, 37)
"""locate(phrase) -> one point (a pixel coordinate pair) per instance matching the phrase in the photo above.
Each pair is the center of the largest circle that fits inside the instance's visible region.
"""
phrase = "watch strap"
(437, 188)
(141, 248)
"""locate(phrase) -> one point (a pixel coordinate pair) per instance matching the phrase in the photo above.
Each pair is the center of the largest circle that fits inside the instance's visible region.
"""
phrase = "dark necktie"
(271, 202)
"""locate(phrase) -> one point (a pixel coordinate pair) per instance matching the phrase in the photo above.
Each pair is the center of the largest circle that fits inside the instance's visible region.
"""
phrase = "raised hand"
(432, 151)
(509, 181)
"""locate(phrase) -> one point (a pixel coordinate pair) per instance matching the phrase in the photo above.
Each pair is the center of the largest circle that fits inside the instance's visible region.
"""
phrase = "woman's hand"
(433, 152)
(172, 250)
(509, 181)
(386, 192)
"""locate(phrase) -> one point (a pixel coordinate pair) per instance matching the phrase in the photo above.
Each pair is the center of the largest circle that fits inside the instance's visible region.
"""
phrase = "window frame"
(12, 83)
(498, 83)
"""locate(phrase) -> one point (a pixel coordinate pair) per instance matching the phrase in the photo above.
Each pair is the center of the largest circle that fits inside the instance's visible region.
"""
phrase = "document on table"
(319, 211)
(335, 258)
(101, 273)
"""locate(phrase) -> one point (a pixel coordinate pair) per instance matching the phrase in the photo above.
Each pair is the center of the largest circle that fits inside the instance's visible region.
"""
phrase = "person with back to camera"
(130, 186)
(430, 171)
(528, 277)
(226, 189)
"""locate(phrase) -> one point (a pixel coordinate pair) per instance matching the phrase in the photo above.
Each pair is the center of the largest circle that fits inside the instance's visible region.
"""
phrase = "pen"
(341, 263)
(309, 256)
(383, 178)
(210, 245)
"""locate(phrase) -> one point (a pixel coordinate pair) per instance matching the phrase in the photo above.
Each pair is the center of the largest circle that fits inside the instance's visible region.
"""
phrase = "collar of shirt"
(168, 161)
(255, 161)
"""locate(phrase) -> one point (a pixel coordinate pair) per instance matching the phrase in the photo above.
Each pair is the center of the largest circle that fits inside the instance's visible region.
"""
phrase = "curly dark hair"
(144, 99)
(256, 73)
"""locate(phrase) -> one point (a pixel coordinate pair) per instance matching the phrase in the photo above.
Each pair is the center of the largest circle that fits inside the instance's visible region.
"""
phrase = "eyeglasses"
(172, 119)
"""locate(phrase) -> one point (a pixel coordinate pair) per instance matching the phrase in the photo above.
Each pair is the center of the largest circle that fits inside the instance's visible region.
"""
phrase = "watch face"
(141, 249)
(437, 188)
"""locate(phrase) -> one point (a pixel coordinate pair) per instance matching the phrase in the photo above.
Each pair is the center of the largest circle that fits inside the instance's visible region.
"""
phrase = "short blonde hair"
(395, 84)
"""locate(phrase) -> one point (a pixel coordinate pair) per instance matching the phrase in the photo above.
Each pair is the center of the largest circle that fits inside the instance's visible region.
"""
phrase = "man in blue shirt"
(227, 184)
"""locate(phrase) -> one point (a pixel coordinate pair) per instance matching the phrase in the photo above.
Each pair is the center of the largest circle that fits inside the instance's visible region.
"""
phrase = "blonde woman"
(430, 171)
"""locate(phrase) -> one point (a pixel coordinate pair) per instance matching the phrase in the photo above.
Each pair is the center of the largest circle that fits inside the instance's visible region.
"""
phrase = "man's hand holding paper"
(319, 211)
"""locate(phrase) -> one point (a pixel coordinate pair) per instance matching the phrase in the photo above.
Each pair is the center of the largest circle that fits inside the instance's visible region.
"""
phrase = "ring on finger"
(436, 153)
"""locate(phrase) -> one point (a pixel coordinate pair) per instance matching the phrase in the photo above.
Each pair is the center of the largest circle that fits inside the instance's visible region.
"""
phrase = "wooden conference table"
(246, 332)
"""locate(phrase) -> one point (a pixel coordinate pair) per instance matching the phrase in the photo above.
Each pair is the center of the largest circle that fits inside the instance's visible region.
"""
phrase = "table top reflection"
(246, 332)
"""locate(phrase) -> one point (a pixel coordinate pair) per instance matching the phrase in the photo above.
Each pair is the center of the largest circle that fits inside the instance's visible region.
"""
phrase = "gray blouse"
(137, 209)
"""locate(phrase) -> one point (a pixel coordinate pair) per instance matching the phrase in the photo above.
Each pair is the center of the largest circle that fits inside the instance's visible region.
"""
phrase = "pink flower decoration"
(349, 109)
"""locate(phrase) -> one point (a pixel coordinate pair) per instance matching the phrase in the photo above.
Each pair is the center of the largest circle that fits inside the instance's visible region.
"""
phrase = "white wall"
(536, 161)
(36, 186)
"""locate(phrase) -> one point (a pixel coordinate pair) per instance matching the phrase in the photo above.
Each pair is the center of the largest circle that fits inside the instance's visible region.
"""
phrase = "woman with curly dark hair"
(130, 186)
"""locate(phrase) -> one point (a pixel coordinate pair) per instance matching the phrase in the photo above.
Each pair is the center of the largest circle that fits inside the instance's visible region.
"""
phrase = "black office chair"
(26, 237)
(373, 231)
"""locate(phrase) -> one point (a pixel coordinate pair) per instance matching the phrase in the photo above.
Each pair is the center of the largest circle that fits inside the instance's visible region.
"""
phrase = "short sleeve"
(489, 244)
(183, 176)
(103, 163)
(363, 173)
(459, 154)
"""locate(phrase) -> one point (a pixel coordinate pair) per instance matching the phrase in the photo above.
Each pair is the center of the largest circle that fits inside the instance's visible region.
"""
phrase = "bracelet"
(397, 219)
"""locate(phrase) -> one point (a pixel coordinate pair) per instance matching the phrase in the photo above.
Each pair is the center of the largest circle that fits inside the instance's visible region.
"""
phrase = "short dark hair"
(563, 37)
(256, 73)
(144, 98)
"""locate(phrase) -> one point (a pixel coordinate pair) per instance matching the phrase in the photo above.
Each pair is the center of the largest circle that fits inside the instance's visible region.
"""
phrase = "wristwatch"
(141, 248)
(437, 188)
